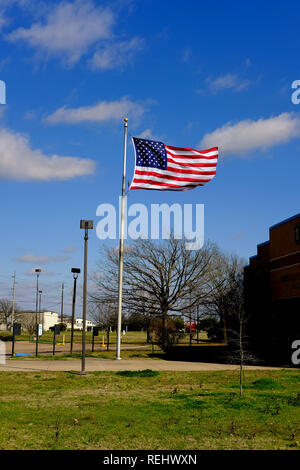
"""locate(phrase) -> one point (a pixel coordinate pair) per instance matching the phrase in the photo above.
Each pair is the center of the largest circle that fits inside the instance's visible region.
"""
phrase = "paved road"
(26, 347)
(94, 364)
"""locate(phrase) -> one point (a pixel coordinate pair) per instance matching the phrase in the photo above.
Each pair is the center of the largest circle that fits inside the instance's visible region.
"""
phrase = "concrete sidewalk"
(95, 364)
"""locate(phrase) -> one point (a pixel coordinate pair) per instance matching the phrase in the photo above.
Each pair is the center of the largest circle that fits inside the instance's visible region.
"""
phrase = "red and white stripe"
(186, 169)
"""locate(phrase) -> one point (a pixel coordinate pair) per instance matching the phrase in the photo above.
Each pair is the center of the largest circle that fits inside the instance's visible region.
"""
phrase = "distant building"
(272, 291)
(47, 319)
(78, 324)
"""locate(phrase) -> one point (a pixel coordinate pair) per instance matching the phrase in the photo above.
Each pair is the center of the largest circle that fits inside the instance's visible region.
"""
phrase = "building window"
(297, 233)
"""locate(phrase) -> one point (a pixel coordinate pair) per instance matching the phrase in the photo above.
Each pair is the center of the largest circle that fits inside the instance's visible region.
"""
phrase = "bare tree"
(105, 316)
(158, 277)
(237, 330)
(28, 322)
(6, 311)
(220, 301)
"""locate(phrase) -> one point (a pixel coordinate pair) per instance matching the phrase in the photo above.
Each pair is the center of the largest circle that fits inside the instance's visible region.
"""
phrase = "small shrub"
(213, 328)
(138, 373)
(6, 336)
(169, 335)
(265, 384)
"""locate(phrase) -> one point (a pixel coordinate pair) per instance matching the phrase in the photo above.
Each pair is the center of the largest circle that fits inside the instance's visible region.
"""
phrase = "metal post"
(62, 304)
(13, 343)
(37, 296)
(37, 339)
(54, 334)
(121, 249)
(36, 311)
(40, 304)
(93, 342)
(86, 237)
(73, 312)
(86, 225)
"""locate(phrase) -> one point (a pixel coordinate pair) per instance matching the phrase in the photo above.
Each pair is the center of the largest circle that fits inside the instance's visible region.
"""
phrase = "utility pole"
(62, 304)
(13, 301)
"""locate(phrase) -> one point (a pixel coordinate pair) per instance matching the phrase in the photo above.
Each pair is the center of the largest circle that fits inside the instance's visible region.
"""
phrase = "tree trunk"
(224, 329)
(241, 358)
(241, 379)
(163, 332)
(148, 333)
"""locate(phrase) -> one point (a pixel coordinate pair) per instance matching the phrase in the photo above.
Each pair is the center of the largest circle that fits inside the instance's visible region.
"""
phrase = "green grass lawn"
(111, 354)
(166, 410)
(131, 337)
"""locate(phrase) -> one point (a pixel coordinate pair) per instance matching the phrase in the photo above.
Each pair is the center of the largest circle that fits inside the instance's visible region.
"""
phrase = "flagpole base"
(118, 358)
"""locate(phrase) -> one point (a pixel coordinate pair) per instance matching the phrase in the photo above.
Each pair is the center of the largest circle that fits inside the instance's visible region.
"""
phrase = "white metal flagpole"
(13, 301)
(121, 249)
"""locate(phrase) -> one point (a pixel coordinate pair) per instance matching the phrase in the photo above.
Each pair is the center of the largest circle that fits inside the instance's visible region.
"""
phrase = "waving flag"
(159, 166)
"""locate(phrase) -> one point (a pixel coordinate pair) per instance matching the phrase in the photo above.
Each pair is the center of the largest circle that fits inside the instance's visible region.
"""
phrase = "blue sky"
(194, 74)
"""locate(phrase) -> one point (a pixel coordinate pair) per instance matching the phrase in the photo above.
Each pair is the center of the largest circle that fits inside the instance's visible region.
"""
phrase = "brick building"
(272, 291)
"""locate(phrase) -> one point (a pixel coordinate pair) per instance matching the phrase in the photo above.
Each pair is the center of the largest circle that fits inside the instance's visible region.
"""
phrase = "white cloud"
(70, 249)
(104, 111)
(3, 19)
(186, 54)
(248, 135)
(116, 54)
(68, 29)
(248, 62)
(19, 162)
(147, 134)
(226, 81)
(31, 272)
(31, 258)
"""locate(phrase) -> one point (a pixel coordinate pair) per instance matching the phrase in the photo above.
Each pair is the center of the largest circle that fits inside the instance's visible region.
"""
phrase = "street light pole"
(62, 304)
(86, 225)
(75, 272)
(37, 271)
(40, 305)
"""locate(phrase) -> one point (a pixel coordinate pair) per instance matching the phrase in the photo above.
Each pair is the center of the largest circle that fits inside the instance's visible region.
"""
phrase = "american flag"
(160, 166)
